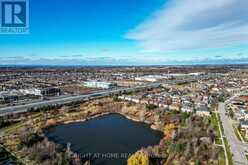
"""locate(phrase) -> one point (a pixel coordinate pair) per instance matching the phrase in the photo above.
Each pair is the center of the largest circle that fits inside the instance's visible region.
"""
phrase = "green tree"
(151, 106)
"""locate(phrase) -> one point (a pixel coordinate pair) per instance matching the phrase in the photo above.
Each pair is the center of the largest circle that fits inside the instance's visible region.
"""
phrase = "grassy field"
(214, 122)
(243, 136)
(218, 141)
(236, 132)
(214, 118)
(229, 154)
(221, 126)
(12, 128)
(222, 160)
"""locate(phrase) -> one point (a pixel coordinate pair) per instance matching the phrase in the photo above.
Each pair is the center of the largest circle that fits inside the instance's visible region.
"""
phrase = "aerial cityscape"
(114, 82)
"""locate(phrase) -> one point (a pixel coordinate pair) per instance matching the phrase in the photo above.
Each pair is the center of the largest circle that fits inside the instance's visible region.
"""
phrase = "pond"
(105, 140)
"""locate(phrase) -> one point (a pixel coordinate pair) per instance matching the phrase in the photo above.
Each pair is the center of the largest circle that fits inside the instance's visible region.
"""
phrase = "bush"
(138, 159)
(29, 139)
(151, 106)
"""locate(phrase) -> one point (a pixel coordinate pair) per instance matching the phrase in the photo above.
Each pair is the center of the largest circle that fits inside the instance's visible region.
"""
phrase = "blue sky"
(130, 32)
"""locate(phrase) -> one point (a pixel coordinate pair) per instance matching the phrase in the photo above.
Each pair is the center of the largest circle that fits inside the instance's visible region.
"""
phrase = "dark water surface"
(107, 140)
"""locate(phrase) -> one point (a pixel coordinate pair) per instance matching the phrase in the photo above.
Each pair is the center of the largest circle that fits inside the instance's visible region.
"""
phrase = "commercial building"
(32, 91)
(51, 91)
(150, 78)
(99, 84)
(9, 96)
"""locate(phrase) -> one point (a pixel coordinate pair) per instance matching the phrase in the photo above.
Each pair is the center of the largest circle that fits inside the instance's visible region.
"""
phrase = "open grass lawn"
(214, 121)
(221, 126)
(236, 132)
(243, 135)
(218, 141)
(222, 160)
(12, 128)
(246, 156)
(229, 154)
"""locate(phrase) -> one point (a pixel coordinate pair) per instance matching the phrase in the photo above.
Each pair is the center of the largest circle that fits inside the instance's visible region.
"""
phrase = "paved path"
(237, 147)
(222, 139)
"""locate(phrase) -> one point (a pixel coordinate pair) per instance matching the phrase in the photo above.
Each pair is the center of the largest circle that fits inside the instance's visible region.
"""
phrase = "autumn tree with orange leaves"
(168, 130)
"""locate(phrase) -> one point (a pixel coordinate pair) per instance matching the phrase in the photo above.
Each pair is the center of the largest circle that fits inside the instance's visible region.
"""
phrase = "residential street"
(237, 147)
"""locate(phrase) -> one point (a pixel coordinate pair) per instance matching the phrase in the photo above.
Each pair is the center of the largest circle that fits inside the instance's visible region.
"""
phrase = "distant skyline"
(131, 32)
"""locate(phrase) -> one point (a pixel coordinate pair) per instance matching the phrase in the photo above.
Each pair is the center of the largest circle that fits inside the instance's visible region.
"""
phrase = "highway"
(237, 147)
(69, 99)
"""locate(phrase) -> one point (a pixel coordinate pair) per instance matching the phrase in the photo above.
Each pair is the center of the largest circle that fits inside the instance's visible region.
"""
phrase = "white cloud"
(194, 24)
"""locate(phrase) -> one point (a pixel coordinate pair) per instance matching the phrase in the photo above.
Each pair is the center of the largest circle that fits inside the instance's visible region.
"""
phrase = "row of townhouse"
(178, 103)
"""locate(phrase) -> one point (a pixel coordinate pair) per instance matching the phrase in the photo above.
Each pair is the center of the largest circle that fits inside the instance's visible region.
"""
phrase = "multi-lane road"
(64, 100)
(68, 99)
(237, 147)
